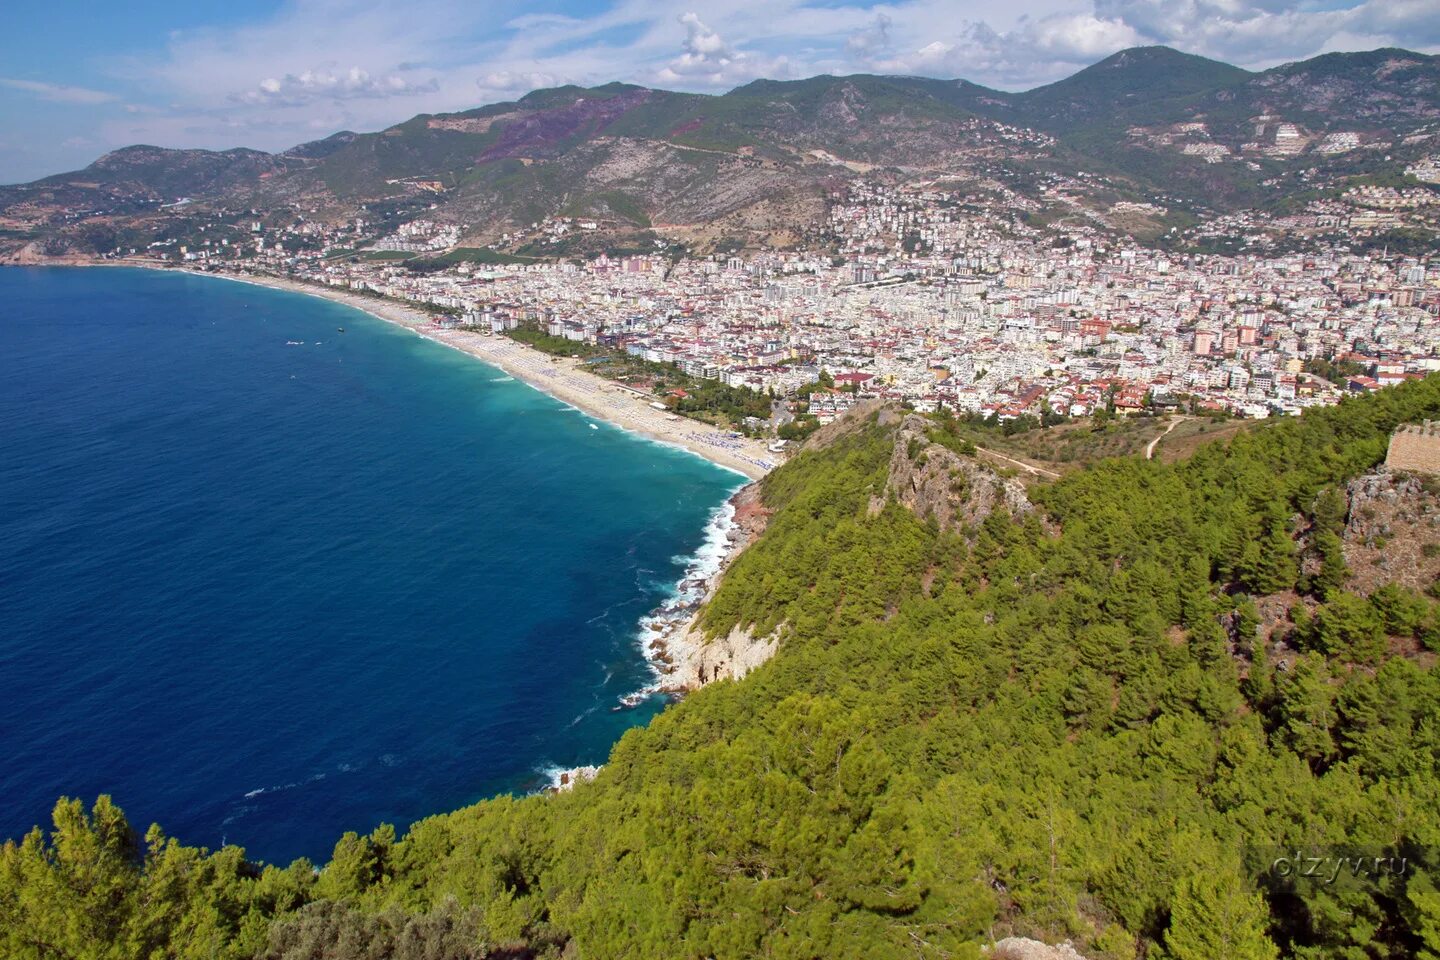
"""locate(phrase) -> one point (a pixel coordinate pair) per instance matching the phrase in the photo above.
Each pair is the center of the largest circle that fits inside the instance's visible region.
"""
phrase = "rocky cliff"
(936, 483)
(686, 658)
(1392, 530)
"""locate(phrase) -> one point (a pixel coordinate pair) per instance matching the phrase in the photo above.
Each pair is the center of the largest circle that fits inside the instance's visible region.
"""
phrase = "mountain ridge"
(754, 162)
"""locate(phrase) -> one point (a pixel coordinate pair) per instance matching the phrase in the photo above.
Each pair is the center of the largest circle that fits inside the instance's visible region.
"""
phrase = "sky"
(80, 78)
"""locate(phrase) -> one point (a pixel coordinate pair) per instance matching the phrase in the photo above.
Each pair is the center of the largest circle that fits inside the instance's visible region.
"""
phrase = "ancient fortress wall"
(1415, 447)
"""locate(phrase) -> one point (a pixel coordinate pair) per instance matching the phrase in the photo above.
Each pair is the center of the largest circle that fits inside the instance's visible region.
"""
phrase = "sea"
(263, 581)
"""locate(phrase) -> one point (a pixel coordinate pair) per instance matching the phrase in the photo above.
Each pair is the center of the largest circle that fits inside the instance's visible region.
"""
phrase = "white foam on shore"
(560, 779)
(701, 567)
(347, 297)
(708, 559)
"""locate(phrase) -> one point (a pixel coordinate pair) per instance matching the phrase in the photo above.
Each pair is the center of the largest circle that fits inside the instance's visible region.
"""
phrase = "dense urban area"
(926, 295)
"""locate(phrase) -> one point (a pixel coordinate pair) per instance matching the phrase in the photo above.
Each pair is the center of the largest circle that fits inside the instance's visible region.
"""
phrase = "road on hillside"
(1150, 447)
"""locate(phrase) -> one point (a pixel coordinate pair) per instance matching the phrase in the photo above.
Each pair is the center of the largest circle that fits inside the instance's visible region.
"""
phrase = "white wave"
(700, 570)
(560, 779)
(711, 555)
(582, 716)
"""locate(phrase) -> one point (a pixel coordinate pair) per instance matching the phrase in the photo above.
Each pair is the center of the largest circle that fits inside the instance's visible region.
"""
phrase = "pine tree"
(1330, 510)
(1307, 710)
(1333, 571)
(1424, 915)
(1259, 684)
(1276, 569)
(1213, 917)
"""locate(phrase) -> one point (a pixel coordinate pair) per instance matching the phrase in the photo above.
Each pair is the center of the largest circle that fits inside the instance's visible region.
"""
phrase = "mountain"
(144, 174)
(1137, 709)
(319, 149)
(754, 165)
(1132, 83)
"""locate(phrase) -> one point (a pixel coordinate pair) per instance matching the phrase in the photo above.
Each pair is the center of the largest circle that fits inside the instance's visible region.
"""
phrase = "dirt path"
(1150, 447)
(1030, 468)
(718, 153)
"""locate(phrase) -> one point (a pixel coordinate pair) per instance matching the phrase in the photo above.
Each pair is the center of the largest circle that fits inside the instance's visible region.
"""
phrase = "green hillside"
(1111, 92)
(1074, 724)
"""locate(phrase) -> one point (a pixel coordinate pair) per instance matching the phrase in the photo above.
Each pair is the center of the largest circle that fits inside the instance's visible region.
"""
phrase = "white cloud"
(709, 61)
(518, 81)
(871, 43)
(320, 84)
(59, 93)
(1079, 37)
(1045, 44)
(1415, 22)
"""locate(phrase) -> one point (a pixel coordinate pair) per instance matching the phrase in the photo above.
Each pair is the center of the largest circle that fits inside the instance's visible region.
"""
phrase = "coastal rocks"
(45, 253)
(697, 660)
(562, 781)
(934, 482)
(677, 648)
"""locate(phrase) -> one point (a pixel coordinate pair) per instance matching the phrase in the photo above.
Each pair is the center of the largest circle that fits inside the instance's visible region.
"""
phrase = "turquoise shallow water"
(267, 592)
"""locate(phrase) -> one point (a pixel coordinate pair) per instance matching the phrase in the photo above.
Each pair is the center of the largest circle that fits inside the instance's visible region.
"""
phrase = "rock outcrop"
(1023, 948)
(956, 491)
(1391, 530)
(698, 660)
(686, 658)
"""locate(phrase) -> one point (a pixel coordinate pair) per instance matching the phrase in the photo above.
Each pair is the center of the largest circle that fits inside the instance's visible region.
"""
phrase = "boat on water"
(340, 329)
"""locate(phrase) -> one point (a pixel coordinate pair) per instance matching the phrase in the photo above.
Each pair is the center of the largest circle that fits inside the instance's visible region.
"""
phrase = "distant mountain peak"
(1151, 73)
(547, 97)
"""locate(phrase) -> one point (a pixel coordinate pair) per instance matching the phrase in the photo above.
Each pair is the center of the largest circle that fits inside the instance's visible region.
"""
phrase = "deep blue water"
(267, 593)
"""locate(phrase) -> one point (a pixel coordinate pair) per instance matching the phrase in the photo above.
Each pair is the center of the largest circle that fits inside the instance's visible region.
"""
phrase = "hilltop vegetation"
(1076, 725)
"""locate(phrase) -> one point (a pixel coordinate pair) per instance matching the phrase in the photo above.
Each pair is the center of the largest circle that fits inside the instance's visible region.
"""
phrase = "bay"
(264, 581)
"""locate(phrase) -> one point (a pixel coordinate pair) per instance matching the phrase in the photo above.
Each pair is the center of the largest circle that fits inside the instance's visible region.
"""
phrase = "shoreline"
(683, 658)
(562, 378)
(669, 638)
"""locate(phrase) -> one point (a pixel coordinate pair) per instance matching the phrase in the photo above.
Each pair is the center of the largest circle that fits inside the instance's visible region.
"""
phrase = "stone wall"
(1416, 448)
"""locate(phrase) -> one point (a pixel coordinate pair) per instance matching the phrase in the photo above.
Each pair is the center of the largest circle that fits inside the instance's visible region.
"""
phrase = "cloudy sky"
(80, 78)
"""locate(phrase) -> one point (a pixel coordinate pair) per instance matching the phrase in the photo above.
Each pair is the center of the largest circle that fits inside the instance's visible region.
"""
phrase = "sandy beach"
(561, 377)
(683, 658)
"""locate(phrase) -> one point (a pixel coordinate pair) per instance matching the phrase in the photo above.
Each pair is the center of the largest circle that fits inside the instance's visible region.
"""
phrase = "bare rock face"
(688, 658)
(699, 661)
(751, 518)
(1391, 530)
(1023, 948)
(936, 483)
